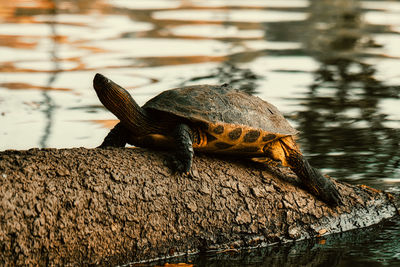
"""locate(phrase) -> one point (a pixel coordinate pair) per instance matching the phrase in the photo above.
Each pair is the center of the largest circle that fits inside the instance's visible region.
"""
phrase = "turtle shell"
(221, 105)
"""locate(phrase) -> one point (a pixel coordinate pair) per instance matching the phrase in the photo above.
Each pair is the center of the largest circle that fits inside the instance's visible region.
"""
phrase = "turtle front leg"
(117, 137)
(182, 161)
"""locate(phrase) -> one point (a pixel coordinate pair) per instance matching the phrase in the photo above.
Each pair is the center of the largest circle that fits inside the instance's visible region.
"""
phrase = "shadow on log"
(113, 206)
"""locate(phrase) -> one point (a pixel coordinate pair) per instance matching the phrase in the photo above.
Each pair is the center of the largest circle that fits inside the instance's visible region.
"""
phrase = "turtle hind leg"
(182, 161)
(117, 137)
(286, 151)
(311, 177)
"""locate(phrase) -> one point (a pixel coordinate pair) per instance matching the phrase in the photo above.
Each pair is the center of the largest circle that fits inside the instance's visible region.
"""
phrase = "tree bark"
(113, 206)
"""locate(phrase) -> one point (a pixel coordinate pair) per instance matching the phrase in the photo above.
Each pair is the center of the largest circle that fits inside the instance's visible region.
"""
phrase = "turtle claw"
(181, 166)
(325, 189)
(330, 194)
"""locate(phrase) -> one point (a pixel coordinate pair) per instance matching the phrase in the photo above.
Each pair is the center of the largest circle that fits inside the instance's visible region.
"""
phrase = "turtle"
(212, 119)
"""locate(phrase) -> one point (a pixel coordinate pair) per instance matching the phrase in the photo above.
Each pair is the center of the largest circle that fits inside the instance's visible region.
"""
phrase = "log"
(120, 205)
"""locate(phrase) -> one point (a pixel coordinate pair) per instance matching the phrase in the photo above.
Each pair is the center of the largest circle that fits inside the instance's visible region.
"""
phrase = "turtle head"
(117, 100)
(99, 81)
(108, 91)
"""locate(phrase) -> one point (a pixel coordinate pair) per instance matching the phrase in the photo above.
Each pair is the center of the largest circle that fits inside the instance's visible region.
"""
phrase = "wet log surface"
(113, 206)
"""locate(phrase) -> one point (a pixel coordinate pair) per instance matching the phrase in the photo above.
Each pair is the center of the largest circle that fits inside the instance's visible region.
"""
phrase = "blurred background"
(331, 66)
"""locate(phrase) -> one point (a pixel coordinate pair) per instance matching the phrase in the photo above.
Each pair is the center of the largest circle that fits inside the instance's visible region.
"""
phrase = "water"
(374, 246)
(331, 66)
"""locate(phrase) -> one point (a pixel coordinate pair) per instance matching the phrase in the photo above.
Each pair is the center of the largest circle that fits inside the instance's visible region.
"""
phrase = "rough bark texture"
(113, 206)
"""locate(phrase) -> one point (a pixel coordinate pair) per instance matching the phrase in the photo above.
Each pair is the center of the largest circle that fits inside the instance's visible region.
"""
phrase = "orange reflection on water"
(15, 42)
(27, 86)
(14, 10)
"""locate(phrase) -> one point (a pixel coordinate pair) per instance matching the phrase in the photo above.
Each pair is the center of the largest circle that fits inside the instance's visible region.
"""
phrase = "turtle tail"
(117, 100)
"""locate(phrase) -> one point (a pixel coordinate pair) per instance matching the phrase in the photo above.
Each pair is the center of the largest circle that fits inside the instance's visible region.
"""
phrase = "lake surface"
(331, 66)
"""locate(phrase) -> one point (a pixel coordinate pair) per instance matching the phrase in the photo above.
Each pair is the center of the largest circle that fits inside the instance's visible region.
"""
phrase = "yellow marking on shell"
(249, 142)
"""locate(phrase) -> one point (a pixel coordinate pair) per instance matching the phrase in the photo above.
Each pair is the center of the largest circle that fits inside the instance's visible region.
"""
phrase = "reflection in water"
(48, 102)
(345, 249)
(343, 123)
(228, 70)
